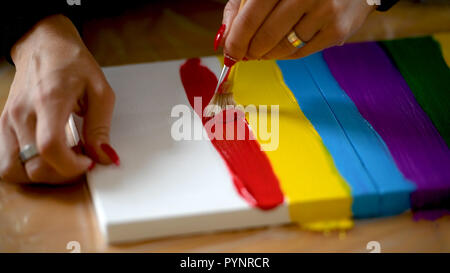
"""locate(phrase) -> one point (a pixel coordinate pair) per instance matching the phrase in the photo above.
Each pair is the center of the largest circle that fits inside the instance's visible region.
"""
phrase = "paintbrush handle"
(228, 62)
(72, 135)
(242, 4)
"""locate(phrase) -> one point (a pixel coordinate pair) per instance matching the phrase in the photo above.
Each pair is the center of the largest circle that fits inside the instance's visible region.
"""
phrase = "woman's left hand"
(259, 30)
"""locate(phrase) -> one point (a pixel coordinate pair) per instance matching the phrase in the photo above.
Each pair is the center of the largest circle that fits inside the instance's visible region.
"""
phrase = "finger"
(97, 122)
(311, 24)
(40, 171)
(308, 26)
(284, 48)
(11, 169)
(51, 141)
(245, 25)
(305, 30)
(229, 13)
(24, 124)
(322, 40)
(37, 170)
(276, 27)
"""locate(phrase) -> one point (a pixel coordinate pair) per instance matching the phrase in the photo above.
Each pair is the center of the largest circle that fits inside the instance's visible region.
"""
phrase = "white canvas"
(164, 187)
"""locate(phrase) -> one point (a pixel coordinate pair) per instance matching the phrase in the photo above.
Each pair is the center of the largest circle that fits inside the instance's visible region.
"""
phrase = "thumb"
(229, 13)
(97, 123)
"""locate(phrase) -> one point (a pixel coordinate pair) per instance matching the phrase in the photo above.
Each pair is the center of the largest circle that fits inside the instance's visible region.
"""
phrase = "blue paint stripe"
(361, 156)
(393, 187)
(314, 106)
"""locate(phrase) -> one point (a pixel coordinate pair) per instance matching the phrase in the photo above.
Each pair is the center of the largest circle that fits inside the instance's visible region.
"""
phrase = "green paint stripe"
(422, 65)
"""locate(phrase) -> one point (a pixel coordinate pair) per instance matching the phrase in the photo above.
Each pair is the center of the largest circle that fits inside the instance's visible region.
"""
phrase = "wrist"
(50, 36)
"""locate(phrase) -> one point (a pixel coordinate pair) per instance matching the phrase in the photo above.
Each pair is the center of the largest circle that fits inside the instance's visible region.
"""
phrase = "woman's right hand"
(55, 76)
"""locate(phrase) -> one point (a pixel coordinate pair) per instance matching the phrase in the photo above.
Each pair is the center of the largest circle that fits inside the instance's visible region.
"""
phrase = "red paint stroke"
(250, 168)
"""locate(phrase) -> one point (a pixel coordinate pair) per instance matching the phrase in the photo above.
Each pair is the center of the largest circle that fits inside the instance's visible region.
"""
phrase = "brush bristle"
(222, 100)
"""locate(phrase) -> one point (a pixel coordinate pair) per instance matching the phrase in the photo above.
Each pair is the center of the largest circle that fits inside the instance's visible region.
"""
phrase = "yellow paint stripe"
(318, 196)
(444, 40)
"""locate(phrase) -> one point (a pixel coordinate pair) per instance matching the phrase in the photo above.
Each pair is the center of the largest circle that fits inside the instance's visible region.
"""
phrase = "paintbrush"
(223, 98)
(73, 139)
(72, 136)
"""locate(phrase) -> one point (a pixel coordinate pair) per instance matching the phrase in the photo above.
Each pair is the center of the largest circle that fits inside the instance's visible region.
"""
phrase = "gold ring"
(294, 40)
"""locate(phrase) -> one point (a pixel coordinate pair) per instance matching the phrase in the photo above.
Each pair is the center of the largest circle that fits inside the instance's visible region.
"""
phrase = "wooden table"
(37, 218)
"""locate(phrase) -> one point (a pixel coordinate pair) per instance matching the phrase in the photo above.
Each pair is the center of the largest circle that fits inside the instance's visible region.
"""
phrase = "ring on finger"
(28, 152)
(294, 40)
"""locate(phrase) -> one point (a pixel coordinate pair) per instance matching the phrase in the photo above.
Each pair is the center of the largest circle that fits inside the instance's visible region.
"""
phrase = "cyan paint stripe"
(386, 183)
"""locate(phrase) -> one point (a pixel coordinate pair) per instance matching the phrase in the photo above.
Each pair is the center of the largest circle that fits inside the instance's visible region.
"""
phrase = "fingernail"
(245, 59)
(111, 153)
(92, 166)
(90, 151)
(219, 36)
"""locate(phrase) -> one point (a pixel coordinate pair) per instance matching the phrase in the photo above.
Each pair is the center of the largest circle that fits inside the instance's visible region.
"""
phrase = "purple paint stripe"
(384, 99)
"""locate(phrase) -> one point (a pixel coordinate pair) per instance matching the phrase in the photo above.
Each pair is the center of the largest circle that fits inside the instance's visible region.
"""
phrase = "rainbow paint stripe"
(353, 139)
(378, 188)
(386, 101)
(317, 194)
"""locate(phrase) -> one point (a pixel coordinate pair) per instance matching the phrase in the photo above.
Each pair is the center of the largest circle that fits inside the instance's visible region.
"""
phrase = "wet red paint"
(250, 168)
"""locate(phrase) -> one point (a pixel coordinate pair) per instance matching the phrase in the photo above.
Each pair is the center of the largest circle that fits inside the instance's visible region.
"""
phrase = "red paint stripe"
(250, 168)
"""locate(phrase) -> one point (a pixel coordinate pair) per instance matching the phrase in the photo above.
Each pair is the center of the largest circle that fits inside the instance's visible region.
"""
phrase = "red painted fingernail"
(111, 153)
(245, 59)
(92, 166)
(219, 36)
(90, 151)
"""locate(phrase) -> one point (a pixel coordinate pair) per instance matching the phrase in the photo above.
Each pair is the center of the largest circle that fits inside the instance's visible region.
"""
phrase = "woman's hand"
(55, 76)
(259, 30)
